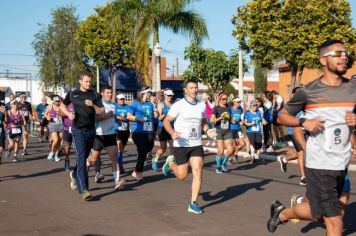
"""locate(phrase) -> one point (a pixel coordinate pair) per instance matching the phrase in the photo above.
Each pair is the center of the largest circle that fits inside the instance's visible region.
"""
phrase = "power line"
(17, 54)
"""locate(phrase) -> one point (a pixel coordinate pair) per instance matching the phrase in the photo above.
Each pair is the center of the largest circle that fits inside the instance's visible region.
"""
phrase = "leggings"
(144, 143)
(267, 135)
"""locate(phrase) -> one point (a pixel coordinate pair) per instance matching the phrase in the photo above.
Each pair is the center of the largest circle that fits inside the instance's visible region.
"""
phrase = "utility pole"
(173, 71)
(97, 79)
(177, 66)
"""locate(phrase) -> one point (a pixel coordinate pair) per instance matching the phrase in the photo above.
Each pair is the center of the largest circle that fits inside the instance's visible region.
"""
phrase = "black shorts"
(102, 141)
(296, 144)
(183, 154)
(237, 134)
(255, 140)
(223, 134)
(44, 122)
(163, 135)
(2, 141)
(67, 138)
(274, 120)
(155, 127)
(123, 136)
(324, 188)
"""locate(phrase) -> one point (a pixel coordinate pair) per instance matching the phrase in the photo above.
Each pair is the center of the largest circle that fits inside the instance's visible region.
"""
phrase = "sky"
(19, 22)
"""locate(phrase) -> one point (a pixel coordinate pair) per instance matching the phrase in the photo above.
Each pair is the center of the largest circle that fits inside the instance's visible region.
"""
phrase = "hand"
(264, 122)
(350, 119)
(3, 109)
(109, 114)
(175, 135)
(88, 103)
(314, 126)
(234, 120)
(71, 116)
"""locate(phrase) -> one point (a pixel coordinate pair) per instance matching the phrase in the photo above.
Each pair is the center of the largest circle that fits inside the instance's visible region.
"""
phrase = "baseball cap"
(253, 103)
(56, 99)
(168, 92)
(120, 96)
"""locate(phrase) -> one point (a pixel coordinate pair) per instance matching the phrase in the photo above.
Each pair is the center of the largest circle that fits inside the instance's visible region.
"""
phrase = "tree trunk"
(293, 79)
(114, 87)
(300, 74)
(110, 77)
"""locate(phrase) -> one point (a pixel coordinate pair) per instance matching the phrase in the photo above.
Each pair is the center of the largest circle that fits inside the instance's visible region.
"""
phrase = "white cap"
(168, 92)
(120, 96)
(56, 98)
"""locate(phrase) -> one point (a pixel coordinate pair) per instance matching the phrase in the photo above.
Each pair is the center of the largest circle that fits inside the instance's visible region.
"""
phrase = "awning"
(3, 89)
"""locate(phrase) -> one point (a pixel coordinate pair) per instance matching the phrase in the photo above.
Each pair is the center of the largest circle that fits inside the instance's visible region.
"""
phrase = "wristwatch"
(301, 121)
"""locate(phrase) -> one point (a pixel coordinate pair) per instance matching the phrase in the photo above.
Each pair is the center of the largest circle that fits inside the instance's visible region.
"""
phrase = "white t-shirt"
(106, 127)
(188, 122)
(279, 99)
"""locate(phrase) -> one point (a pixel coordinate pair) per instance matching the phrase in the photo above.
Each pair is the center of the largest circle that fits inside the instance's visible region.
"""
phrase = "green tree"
(107, 47)
(260, 77)
(58, 54)
(150, 16)
(212, 68)
(292, 30)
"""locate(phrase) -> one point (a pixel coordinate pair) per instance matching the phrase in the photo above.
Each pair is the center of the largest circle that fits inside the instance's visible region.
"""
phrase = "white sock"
(116, 175)
(284, 160)
(299, 200)
(51, 153)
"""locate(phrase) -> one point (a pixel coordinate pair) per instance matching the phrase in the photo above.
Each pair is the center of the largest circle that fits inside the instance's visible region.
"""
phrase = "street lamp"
(157, 51)
(241, 88)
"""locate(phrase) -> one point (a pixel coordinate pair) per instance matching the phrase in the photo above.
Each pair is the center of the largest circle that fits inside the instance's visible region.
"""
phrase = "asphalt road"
(36, 199)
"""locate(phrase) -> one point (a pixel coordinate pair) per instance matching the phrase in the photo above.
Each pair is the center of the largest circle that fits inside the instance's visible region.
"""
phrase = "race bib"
(58, 120)
(25, 113)
(224, 124)
(70, 129)
(240, 134)
(337, 137)
(237, 118)
(123, 126)
(148, 126)
(255, 128)
(193, 134)
(16, 131)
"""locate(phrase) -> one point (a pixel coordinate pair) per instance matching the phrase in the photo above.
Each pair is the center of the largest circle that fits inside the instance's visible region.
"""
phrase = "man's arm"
(167, 125)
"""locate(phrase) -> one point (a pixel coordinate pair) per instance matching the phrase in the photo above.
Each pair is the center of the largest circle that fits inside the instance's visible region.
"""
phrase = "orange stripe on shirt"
(339, 104)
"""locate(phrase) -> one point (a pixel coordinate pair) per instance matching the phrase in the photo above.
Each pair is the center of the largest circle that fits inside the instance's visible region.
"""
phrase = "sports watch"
(301, 121)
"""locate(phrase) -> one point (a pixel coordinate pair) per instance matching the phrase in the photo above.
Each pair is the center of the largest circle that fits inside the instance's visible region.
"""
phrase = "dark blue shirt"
(40, 110)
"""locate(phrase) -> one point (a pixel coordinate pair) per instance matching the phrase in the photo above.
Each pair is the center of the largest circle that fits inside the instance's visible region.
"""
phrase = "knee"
(335, 224)
(182, 176)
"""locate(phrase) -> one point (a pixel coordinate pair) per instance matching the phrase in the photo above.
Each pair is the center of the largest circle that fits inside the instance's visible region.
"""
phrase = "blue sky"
(19, 18)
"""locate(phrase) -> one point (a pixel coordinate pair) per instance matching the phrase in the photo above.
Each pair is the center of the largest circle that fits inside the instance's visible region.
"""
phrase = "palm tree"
(150, 15)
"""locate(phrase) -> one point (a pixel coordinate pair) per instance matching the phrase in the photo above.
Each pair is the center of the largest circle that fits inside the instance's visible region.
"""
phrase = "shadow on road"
(349, 222)
(232, 192)
(48, 172)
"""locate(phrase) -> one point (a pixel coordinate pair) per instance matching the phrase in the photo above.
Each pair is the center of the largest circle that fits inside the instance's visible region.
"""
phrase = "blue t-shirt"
(257, 119)
(290, 129)
(237, 115)
(267, 115)
(8, 106)
(165, 111)
(155, 120)
(121, 111)
(142, 110)
(40, 110)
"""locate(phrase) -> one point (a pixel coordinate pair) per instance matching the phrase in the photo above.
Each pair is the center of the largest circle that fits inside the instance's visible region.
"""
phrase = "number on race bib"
(224, 124)
(58, 120)
(123, 126)
(336, 137)
(255, 128)
(15, 130)
(25, 113)
(148, 126)
(193, 134)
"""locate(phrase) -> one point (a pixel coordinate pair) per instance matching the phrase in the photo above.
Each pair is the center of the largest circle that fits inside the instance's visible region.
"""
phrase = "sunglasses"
(122, 99)
(337, 53)
(169, 95)
(223, 99)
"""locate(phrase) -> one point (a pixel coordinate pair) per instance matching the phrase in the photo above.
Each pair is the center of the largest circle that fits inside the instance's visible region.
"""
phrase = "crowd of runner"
(89, 122)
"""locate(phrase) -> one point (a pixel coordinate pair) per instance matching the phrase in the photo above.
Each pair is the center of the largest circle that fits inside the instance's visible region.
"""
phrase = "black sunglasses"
(122, 99)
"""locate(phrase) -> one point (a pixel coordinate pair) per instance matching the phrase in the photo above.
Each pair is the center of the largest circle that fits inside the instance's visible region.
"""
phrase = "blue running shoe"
(155, 166)
(218, 170)
(224, 168)
(165, 168)
(193, 207)
(66, 165)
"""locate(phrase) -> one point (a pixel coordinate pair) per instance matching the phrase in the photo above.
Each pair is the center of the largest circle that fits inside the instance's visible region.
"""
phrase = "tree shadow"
(349, 222)
(48, 172)
(232, 192)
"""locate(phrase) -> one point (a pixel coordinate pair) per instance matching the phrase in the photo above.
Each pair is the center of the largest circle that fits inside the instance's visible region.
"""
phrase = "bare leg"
(197, 167)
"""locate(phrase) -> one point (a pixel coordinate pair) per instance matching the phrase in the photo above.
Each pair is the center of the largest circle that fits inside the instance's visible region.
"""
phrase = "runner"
(221, 119)
(8, 104)
(3, 120)
(55, 128)
(163, 136)
(253, 122)
(26, 108)
(142, 113)
(86, 102)
(209, 107)
(236, 112)
(154, 101)
(14, 130)
(278, 104)
(41, 119)
(106, 138)
(267, 127)
(188, 114)
(122, 128)
(329, 102)
(67, 137)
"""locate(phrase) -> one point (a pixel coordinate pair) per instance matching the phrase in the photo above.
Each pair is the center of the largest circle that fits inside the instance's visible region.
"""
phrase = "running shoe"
(224, 168)
(218, 170)
(50, 157)
(40, 140)
(303, 181)
(270, 149)
(282, 163)
(99, 178)
(252, 160)
(229, 162)
(165, 168)
(208, 144)
(73, 181)
(86, 195)
(15, 159)
(274, 220)
(120, 184)
(293, 202)
(155, 164)
(122, 170)
(57, 159)
(24, 152)
(193, 207)
(66, 165)
(235, 158)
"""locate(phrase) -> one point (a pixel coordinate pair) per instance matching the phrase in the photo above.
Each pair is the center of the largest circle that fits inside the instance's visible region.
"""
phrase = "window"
(129, 96)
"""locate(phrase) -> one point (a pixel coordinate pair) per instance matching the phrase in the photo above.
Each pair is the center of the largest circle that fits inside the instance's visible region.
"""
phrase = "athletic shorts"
(223, 134)
(44, 122)
(324, 188)
(255, 140)
(67, 138)
(102, 141)
(155, 127)
(274, 120)
(123, 136)
(237, 134)
(53, 127)
(163, 135)
(183, 154)
(14, 137)
(2, 141)
(296, 144)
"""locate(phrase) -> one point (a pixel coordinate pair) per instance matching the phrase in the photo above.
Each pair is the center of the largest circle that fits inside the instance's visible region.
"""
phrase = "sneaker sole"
(195, 212)
(87, 198)
(73, 184)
